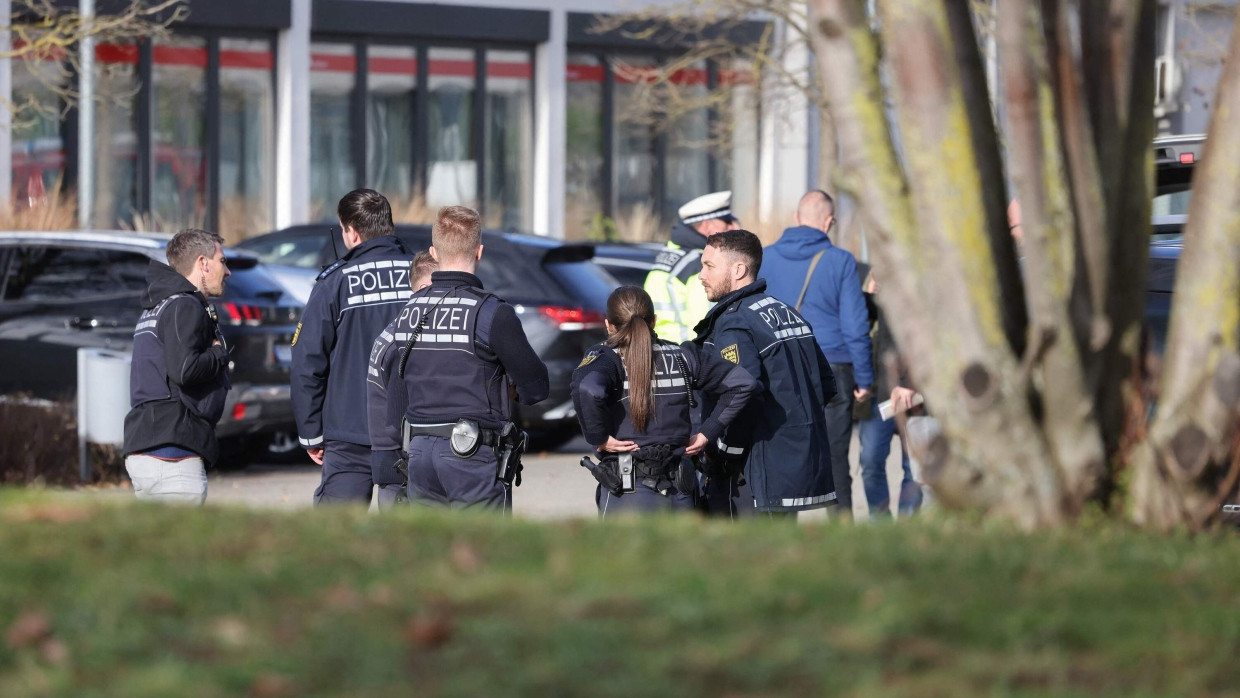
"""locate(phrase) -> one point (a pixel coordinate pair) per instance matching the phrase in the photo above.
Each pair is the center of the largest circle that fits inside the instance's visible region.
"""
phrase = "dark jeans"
(439, 477)
(642, 499)
(346, 474)
(839, 433)
(875, 435)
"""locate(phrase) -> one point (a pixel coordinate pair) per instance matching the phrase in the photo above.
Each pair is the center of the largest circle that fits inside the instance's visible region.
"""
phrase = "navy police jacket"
(352, 301)
(782, 432)
(467, 348)
(601, 395)
(178, 382)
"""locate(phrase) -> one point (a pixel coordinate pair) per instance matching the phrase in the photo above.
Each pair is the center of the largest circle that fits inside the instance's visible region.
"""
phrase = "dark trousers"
(438, 477)
(724, 498)
(346, 474)
(642, 499)
(839, 433)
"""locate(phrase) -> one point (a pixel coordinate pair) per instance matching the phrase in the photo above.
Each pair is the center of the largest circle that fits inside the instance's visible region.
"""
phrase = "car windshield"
(253, 283)
(293, 251)
(586, 282)
(1172, 197)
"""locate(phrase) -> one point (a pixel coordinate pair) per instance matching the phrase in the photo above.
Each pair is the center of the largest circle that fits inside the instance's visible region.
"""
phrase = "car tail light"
(238, 412)
(572, 318)
(239, 313)
(1187, 158)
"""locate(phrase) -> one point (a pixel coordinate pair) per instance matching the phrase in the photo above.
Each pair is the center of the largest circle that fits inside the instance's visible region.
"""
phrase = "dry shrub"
(241, 219)
(151, 222)
(54, 210)
(640, 224)
(413, 210)
(38, 445)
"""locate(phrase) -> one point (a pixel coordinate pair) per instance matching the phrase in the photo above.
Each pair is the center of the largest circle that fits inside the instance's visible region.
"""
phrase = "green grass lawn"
(120, 599)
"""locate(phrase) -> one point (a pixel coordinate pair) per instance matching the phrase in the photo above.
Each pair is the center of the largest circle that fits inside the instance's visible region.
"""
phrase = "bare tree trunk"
(1047, 183)
(934, 244)
(1117, 46)
(1192, 457)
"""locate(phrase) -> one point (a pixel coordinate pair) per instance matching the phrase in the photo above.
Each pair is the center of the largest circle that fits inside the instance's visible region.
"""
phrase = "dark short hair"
(188, 245)
(366, 211)
(742, 243)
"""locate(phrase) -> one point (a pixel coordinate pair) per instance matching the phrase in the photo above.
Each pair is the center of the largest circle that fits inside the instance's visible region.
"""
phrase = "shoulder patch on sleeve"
(296, 334)
(589, 358)
(731, 353)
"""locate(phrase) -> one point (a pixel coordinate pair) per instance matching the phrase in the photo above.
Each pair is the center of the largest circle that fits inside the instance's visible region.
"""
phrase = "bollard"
(102, 401)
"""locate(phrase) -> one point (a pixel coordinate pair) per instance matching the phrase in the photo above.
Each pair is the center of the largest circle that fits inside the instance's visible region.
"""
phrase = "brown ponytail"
(631, 314)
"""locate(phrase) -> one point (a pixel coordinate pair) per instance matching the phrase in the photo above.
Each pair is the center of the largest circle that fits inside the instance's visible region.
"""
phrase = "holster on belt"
(653, 466)
(465, 437)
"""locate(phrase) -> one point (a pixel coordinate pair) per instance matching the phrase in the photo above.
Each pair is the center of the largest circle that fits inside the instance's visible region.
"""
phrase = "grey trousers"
(181, 481)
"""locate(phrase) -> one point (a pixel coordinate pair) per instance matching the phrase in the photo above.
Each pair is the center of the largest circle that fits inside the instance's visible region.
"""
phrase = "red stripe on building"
(510, 70)
(180, 55)
(393, 65)
(333, 62)
(116, 53)
(453, 68)
(256, 60)
(585, 73)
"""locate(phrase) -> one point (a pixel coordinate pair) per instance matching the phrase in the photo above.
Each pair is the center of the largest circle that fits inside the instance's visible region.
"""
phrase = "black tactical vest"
(669, 422)
(148, 376)
(449, 374)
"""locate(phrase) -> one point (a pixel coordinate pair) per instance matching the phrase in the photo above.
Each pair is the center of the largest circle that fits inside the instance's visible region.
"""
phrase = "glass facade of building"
(247, 135)
(626, 171)
(430, 104)
(585, 171)
(178, 133)
(509, 139)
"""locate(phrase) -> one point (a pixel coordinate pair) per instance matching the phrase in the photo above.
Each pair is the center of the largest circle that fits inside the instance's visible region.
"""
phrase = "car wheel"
(280, 447)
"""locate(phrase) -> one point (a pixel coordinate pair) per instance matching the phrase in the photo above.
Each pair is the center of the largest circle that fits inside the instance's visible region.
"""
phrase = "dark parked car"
(559, 294)
(1175, 158)
(63, 290)
(628, 262)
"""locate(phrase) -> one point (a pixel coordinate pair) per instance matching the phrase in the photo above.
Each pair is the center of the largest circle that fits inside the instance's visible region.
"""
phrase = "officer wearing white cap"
(679, 300)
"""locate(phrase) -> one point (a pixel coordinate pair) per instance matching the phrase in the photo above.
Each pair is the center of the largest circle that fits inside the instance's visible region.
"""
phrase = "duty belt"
(486, 437)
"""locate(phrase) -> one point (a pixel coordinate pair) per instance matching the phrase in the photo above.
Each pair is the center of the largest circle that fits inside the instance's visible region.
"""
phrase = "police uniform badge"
(731, 353)
(296, 334)
(588, 358)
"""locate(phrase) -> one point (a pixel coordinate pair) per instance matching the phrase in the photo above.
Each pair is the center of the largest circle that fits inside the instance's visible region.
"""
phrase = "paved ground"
(553, 485)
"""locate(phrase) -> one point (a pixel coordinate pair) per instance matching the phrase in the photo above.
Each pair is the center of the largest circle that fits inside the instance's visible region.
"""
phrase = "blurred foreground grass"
(119, 599)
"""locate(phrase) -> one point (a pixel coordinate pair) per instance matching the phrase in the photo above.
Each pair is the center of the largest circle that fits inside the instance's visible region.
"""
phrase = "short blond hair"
(420, 269)
(456, 234)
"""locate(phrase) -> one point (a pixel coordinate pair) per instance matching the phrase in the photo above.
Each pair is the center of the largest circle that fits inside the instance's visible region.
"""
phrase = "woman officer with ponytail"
(633, 394)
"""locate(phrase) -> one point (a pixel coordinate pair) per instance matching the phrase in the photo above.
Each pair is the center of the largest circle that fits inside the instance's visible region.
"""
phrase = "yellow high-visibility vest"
(677, 292)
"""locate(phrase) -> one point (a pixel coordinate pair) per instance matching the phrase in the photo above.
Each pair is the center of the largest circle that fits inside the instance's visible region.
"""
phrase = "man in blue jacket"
(352, 301)
(804, 270)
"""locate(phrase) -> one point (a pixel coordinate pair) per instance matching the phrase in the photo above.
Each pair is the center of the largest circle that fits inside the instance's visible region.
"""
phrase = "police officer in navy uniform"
(779, 443)
(388, 389)
(352, 301)
(462, 356)
(633, 394)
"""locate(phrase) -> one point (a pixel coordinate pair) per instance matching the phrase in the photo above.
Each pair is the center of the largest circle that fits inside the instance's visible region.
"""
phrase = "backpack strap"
(808, 275)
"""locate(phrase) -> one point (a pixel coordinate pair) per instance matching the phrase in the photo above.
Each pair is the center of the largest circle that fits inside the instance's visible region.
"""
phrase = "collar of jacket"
(804, 235)
(723, 305)
(163, 281)
(384, 244)
(455, 278)
(687, 238)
